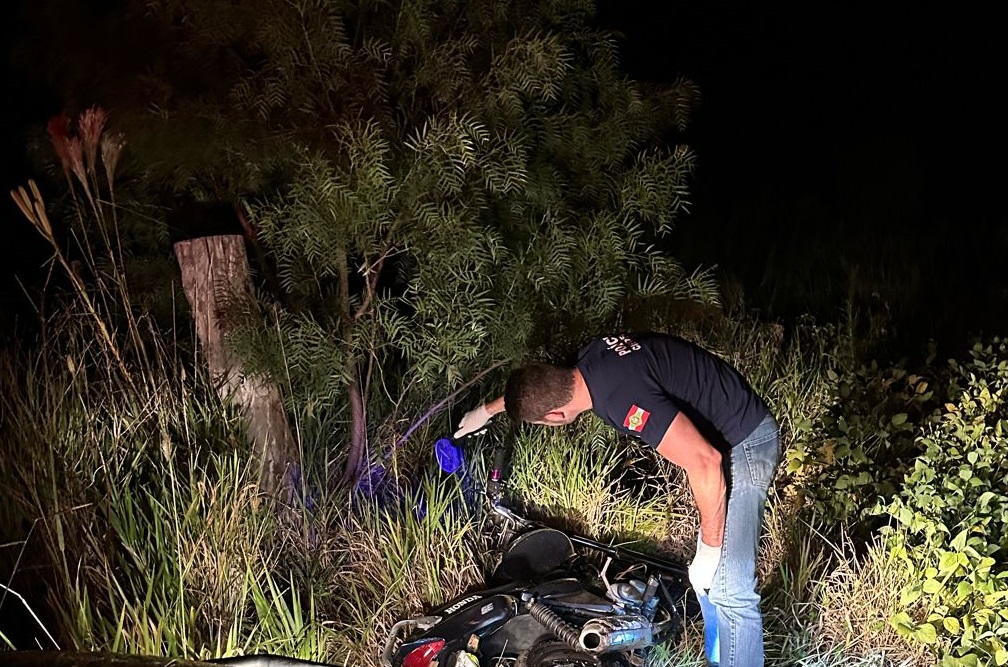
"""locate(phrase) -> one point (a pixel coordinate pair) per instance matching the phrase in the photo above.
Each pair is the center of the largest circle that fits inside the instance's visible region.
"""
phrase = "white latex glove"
(703, 566)
(473, 421)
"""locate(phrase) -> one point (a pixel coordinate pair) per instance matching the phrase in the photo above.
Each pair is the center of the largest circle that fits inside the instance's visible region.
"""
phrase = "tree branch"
(437, 407)
(372, 273)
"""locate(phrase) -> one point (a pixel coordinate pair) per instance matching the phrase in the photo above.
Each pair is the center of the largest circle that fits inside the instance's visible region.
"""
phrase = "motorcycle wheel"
(555, 653)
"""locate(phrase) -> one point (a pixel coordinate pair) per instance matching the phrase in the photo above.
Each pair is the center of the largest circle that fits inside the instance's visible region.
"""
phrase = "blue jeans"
(733, 623)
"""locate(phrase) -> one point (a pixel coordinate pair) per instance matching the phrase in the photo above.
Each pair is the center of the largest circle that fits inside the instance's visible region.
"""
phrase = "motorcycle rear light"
(422, 655)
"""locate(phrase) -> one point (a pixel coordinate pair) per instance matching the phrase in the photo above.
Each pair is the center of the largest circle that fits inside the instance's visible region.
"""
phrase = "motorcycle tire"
(555, 653)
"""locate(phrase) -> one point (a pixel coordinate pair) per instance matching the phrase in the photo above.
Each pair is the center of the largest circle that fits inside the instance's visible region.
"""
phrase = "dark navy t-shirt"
(640, 382)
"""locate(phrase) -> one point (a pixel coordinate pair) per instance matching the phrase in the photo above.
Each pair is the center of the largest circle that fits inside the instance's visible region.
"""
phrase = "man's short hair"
(535, 389)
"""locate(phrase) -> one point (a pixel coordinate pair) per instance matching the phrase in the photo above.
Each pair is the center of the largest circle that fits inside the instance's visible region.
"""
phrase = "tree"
(441, 185)
(503, 190)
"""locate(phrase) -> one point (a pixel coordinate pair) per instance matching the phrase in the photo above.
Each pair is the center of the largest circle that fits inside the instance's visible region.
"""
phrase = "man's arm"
(685, 446)
(496, 406)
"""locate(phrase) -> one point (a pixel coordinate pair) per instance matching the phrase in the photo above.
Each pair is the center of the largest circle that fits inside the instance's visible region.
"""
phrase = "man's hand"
(473, 420)
(703, 566)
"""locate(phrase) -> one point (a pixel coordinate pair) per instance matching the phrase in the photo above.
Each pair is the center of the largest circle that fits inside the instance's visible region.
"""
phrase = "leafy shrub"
(952, 516)
(862, 447)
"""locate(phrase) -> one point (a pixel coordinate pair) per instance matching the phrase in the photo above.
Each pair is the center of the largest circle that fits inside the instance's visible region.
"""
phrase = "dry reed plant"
(857, 599)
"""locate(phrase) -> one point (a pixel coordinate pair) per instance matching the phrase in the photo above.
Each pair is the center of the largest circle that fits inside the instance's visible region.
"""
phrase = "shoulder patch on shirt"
(636, 418)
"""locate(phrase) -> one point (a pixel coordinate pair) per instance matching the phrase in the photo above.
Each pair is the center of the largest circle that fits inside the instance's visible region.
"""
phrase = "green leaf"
(1000, 657)
(899, 418)
(968, 660)
(901, 620)
(932, 586)
(952, 625)
(948, 562)
(909, 595)
(926, 633)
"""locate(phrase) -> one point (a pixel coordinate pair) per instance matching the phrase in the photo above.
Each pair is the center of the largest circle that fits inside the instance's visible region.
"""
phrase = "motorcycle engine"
(628, 592)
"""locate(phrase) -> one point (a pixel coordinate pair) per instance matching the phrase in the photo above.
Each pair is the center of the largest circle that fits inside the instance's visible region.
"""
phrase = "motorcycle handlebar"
(499, 461)
(496, 474)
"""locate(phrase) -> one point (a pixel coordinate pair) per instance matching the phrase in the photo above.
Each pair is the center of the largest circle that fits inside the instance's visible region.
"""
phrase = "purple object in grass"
(449, 456)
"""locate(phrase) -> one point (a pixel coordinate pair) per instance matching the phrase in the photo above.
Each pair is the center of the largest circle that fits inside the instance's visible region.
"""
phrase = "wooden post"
(215, 273)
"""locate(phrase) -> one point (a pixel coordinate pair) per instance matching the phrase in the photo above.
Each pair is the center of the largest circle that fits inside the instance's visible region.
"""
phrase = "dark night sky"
(801, 84)
(884, 114)
(888, 118)
(821, 98)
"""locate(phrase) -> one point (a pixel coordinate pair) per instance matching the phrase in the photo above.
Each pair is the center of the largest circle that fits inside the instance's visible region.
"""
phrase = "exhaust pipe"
(616, 633)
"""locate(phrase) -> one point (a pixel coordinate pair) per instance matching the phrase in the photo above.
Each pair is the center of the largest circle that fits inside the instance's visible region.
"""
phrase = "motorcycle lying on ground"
(554, 599)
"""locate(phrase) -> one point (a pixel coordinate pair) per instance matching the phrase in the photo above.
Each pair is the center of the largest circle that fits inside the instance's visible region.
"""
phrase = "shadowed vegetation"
(431, 192)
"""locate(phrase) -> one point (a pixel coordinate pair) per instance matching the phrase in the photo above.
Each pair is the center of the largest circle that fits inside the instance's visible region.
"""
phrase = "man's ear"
(554, 417)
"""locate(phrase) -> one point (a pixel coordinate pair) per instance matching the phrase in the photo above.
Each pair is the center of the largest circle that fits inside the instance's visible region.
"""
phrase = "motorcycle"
(554, 599)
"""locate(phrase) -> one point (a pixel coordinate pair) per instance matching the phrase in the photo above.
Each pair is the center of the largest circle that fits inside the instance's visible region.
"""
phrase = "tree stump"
(215, 274)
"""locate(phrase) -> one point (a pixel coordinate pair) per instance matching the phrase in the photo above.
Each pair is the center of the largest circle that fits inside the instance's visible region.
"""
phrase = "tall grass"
(140, 507)
(144, 511)
(831, 606)
(586, 478)
(149, 526)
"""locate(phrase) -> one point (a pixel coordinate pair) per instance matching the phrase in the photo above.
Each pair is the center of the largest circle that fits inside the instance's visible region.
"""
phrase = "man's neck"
(582, 400)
